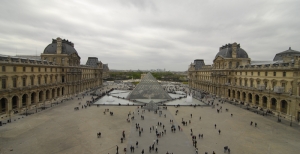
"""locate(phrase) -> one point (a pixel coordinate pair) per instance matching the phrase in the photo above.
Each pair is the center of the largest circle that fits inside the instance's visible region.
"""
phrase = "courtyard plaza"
(61, 129)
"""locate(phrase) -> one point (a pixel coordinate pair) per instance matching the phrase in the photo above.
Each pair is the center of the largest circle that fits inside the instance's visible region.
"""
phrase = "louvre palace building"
(29, 81)
(266, 85)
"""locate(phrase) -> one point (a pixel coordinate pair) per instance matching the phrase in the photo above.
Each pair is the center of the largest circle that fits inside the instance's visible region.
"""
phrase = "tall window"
(266, 84)
(24, 69)
(31, 69)
(45, 69)
(3, 69)
(39, 69)
(51, 78)
(32, 80)
(3, 83)
(273, 84)
(39, 80)
(14, 82)
(283, 85)
(246, 73)
(251, 73)
(258, 82)
(246, 83)
(45, 78)
(15, 68)
(24, 82)
(284, 74)
(274, 73)
(240, 82)
(266, 73)
(258, 73)
(251, 83)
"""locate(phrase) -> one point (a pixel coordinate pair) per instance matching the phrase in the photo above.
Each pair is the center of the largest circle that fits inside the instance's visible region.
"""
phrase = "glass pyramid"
(149, 88)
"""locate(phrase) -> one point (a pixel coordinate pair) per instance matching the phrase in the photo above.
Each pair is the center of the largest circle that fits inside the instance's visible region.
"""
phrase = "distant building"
(29, 81)
(143, 75)
(269, 85)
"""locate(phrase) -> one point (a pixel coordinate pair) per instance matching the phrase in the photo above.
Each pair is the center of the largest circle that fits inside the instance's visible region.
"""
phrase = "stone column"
(28, 99)
(9, 104)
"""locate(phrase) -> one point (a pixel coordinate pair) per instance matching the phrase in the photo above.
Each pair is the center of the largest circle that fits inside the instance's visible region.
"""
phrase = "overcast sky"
(151, 34)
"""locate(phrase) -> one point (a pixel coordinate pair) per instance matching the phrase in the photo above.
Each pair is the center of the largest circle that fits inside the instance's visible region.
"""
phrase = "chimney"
(234, 50)
(59, 45)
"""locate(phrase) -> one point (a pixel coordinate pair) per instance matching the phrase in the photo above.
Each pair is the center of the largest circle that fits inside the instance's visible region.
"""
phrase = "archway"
(47, 95)
(283, 106)
(53, 93)
(243, 96)
(233, 93)
(24, 100)
(273, 103)
(62, 91)
(238, 95)
(33, 98)
(250, 97)
(41, 96)
(256, 99)
(228, 92)
(58, 92)
(3, 105)
(15, 101)
(265, 101)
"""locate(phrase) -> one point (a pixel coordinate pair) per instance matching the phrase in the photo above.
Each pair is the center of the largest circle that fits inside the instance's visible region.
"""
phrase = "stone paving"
(60, 129)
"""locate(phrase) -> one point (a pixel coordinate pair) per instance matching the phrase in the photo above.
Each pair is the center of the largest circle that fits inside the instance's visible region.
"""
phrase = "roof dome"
(67, 47)
(226, 52)
(289, 52)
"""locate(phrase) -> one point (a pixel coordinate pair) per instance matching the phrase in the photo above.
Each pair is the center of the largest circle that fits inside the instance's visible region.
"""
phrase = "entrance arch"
(53, 93)
(3, 106)
(283, 106)
(233, 93)
(238, 95)
(273, 103)
(58, 92)
(15, 102)
(228, 92)
(24, 100)
(41, 94)
(256, 99)
(250, 97)
(243, 96)
(33, 98)
(47, 95)
(265, 101)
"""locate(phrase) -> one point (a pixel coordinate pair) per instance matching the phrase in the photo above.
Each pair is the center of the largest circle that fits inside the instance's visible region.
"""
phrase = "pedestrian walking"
(215, 126)
(251, 123)
(219, 131)
(137, 144)
(255, 124)
(117, 149)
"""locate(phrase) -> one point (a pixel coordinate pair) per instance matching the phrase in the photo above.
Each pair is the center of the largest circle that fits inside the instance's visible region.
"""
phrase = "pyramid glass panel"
(149, 88)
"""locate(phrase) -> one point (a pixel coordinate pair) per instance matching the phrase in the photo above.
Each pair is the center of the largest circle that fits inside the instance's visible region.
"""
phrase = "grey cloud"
(147, 34)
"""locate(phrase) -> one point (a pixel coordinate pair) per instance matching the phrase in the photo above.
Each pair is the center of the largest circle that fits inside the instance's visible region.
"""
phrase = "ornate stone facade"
(272, 85)
(28, 83)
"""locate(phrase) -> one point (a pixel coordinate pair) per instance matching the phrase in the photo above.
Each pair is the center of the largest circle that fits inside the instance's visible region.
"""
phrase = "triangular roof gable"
(218, 58)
